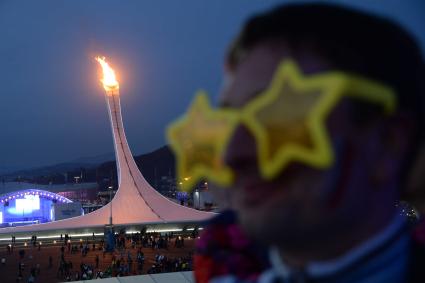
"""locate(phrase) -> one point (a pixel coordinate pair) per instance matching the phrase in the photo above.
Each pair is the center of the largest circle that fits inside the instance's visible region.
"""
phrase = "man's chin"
(270, 226)
(259, 225)
(254, 229)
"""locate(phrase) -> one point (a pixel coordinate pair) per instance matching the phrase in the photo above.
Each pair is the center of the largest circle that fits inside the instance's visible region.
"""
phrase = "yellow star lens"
(288, 119)
(198, 140)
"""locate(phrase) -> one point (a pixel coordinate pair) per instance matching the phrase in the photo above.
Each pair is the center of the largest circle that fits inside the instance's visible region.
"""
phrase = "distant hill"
(153, 165)
(60, 168)
(8, 169)
(100, 169)
(94, 160)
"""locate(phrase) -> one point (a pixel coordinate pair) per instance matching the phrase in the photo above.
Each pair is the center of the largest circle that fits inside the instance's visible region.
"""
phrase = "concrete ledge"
(173, 277)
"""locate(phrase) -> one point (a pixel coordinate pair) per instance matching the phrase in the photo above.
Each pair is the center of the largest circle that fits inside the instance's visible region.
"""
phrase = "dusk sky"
(52, 106)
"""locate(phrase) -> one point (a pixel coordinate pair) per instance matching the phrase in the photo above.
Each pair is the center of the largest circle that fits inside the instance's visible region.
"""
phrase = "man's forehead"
(252, 75)
(255, 71)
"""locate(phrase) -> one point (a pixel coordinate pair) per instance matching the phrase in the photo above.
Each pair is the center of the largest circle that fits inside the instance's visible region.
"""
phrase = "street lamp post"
(110, 204)
(198, 197)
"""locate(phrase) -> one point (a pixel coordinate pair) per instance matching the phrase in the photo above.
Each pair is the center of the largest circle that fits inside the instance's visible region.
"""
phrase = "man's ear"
(397, 135)
(395, 138)
(414, 191)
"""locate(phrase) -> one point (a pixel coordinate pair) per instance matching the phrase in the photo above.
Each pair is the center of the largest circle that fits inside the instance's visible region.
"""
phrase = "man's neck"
(337, 243)
(389, 237)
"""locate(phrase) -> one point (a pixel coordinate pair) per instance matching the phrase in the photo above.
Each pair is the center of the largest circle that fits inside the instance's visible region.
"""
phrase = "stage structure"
(32, 206)
(135, 202)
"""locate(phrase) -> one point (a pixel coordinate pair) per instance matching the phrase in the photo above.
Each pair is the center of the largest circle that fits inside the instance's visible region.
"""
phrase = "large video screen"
(28, 203)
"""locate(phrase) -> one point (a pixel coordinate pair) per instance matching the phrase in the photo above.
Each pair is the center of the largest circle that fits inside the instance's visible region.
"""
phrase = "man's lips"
(254, 192)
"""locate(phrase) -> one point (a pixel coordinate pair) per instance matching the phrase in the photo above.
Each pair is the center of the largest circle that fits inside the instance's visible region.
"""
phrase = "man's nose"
(241, 150)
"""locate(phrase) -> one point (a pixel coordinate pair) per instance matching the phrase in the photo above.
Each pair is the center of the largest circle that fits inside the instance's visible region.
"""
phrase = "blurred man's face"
(302, 202)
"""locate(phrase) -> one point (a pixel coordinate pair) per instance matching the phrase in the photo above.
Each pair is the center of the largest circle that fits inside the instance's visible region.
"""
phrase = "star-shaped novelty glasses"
(287, 121)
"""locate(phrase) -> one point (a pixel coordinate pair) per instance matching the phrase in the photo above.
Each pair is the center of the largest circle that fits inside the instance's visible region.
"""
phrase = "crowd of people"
(93, 261)
(167, 264)
(124, 261)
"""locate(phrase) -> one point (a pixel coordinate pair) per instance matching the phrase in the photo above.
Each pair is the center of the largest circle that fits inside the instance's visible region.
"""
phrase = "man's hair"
(352, 41)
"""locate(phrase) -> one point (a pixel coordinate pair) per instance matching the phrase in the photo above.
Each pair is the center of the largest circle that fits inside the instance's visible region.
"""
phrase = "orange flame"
(109, 79)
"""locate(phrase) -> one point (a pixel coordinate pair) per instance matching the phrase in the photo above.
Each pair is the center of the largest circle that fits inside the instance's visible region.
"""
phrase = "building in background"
(202, 198)
(86, 194)
(81, 192)
(34, 206)
(62, 211)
